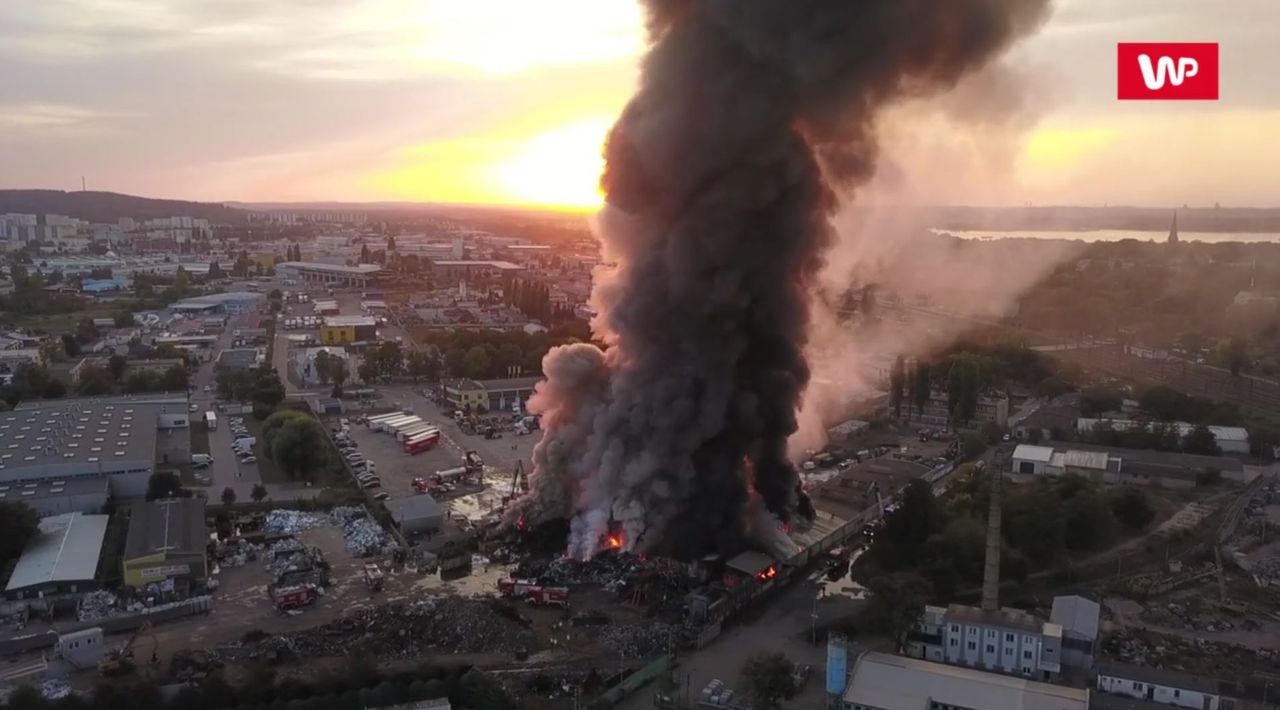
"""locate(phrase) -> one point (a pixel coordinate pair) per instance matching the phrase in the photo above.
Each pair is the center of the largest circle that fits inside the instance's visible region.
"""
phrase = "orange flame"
(769, 573)
(615, 542)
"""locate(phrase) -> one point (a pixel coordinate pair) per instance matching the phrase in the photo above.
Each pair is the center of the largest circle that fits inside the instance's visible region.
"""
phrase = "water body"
(1112, 235)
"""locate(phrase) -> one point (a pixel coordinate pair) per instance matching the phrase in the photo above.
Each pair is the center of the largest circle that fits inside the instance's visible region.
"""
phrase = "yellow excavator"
(119, 662)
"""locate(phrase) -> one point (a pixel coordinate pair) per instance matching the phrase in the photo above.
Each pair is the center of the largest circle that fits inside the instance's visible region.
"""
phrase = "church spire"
(1173, 229)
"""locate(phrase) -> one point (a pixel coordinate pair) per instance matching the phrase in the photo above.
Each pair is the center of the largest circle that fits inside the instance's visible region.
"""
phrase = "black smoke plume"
(752, 116)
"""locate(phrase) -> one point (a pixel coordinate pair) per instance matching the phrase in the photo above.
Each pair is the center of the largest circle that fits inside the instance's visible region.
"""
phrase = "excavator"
(119, 662)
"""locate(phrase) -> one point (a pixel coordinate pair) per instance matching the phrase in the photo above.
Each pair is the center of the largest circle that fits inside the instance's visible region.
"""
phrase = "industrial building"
(1231, 439)
(238, 359)
(1079, 619)
(360, 275)
(233, 303)
(880, 681)
(453, 270)
(416, 514)
(166, 540)
(340, 330)
(59, 496)
(1167, 469)
(1004, 640)
(492, 395)
(62, 559)
(116, 439)
(992, 409)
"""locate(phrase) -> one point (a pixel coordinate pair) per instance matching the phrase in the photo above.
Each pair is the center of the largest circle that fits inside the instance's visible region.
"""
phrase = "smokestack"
(991, 566)
(752, 119)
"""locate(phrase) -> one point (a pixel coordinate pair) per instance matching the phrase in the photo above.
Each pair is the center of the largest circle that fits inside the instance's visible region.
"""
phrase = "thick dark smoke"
(722, 173)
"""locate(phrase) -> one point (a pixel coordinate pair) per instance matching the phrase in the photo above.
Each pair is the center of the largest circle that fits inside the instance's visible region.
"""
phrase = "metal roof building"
(881, 681)
(63, 557)
(416, 514)
(117, 438)
(166, 539)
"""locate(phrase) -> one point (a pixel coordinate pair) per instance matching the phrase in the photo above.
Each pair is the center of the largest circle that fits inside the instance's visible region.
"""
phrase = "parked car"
(249, 459)
(381, 495)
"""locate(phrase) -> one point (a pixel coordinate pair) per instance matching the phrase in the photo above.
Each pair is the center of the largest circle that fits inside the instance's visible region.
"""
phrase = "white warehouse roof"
(1029, 452)
(65, 550)
(882, 680)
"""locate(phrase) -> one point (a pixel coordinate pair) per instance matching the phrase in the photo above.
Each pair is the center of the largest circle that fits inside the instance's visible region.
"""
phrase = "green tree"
(1132, 509)
(175, 379)
(766, 678)
(297, 443)
(481, 691)
(268, 391)
(124, 318)
(897, 602)
(93, 381)
(228, 496)
(1097, 401)
(423, 365)
(455, 361)
(1201, 440)
(259, 493)
(476, 364)
(19, 524)
(163, 484)
(117, 364)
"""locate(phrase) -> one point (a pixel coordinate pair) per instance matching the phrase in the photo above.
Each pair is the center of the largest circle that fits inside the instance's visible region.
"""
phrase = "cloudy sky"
(508, 100)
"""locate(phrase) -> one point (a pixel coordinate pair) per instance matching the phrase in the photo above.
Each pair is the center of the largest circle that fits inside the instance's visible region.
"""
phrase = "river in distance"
(1111, 235)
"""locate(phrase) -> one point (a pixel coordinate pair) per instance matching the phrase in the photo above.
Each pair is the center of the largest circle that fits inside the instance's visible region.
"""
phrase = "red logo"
(1167, 71)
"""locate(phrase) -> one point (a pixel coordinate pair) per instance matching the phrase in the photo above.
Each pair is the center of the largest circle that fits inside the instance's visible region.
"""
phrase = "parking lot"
(392, 465)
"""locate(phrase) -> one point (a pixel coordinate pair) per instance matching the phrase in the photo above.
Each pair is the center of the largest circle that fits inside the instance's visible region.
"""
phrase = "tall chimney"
(991, 568)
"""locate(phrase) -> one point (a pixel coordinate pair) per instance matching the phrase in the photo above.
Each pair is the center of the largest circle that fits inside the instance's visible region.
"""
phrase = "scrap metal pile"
(408, 629)
(641, 641)
(363, 535)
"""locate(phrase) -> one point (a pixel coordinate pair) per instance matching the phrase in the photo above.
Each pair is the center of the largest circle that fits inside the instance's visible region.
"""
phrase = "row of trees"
(1155, 435)
(95, 380)
(935, 547)
(261, 386)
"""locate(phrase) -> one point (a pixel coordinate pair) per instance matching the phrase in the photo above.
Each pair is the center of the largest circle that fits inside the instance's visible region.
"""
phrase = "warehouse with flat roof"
(119, 439)
(62, 559)
(166, 541)
(361, 275)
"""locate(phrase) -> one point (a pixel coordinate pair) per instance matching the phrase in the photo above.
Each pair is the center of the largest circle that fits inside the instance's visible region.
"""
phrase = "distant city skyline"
(507, 102)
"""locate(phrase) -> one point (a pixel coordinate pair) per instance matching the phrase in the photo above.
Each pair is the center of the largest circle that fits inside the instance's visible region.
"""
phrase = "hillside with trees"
(97, 206)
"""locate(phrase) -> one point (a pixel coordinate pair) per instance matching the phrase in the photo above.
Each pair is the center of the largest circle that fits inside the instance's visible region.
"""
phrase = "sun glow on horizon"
(558, 168)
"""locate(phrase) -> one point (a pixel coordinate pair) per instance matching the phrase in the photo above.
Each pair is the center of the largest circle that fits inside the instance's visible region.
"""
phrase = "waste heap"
(640, 641)
(98, 604)
(408, 629)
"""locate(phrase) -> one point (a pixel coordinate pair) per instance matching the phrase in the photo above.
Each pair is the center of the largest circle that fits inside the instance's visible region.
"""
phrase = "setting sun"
(558, 168)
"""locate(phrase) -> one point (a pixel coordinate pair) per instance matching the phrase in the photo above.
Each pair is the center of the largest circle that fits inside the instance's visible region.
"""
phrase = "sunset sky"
(507, 101)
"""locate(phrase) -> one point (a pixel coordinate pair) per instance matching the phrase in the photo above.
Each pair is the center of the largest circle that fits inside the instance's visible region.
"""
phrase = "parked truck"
(211, 420)
(373, 578)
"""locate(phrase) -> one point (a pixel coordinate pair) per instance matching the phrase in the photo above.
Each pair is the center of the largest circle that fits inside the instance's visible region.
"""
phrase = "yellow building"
(166, 540)
(340, 330)
(467, 395)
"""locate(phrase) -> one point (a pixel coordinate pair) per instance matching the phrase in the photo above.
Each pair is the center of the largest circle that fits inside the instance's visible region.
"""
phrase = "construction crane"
(120, 661)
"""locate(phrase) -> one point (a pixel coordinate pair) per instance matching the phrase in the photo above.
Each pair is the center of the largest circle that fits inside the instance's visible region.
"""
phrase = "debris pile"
(642, 641)
(609, 571)
(404, 630)
(1194, 656)
(364, 537)
(98, 604)
(54, 689)
(1193, 614)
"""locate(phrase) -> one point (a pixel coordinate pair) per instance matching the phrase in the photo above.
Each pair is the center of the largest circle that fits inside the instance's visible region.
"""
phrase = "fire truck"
(296, 597)
(533, 592)
(420, 485)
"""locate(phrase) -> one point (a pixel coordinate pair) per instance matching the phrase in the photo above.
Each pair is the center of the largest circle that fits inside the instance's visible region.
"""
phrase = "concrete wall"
(87, 503)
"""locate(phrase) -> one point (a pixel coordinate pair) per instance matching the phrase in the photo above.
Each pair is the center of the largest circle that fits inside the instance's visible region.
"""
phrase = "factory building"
(992, 408)
(116, 439)
(1144, 467)
(341, 330)
(360, 275)
(1003, 640)
(454, 270)
(61, 559)
(166, 541)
